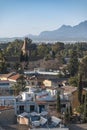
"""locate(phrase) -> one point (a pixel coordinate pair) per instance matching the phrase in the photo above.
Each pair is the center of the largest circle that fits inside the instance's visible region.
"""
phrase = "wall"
(7, 116)
(75, 102)
(47, 83)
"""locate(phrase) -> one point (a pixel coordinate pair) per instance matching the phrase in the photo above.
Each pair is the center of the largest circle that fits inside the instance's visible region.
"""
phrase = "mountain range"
(64, 33)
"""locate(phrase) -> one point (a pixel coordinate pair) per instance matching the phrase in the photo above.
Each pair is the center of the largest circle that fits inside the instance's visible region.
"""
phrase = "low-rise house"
(40, 101)
(25, 106)
(6, 83)
(7, 101)
(54, 82)
(35, 80)
(14, 78)
(71, 94)
(6, 76)
(75, 102)
(51, 82)
(28, 102)
(6, 88)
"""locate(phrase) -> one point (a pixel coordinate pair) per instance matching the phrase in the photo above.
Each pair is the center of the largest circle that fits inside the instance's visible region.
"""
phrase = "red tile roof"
(7, 75)
(15, 77)
(5, 107)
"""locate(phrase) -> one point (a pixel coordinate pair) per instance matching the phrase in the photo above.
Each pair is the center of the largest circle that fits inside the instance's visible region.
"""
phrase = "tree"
(73, 81)
(67, 116)
(58, 105)
(80, 87)
(3, 65)
(20, 85)
(71, 110)
(85, 109)
(16, 89)
(73, 63)
(80, 109)
(50, 64)
(83, 67)
(13, 48)
(43, 50)
(57, 47)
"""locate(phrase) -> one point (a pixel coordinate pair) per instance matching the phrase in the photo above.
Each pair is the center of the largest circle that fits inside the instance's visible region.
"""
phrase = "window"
(32, 107)
(83, 98)
(63, 105)
(29, 95)
(21, 109)
(4, 83)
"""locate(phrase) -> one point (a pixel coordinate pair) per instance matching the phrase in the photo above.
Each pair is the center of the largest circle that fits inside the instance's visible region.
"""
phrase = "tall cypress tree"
(85, 109)
(80, 87)
(71, 110)
(58, 104)
(67, 115)
(73, 63)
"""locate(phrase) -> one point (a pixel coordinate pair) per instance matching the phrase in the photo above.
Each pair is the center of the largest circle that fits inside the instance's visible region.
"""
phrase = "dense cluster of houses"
(40, 94)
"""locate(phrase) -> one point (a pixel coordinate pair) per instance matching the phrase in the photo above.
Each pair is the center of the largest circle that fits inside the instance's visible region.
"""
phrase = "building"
(24, 57)
(14, 78)
(6, 88)
(6, 76)
(75, 102)
(71, 94)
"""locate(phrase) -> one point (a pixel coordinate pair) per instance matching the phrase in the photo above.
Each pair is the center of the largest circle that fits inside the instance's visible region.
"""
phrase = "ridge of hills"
(64, 33)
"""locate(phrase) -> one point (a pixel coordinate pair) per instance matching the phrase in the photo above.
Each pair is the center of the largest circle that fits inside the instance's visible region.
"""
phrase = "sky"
(23, 17)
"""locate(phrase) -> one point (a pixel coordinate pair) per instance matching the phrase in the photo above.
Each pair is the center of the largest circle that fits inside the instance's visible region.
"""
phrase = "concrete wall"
(7, 116)
(75, 102)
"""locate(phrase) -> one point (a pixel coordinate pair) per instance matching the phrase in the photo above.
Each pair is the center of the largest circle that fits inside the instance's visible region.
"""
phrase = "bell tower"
(25, 47)
(24, 57)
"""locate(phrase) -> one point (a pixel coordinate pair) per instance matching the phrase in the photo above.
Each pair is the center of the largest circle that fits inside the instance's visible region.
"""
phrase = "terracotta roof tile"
(7, 75)
(15, 77)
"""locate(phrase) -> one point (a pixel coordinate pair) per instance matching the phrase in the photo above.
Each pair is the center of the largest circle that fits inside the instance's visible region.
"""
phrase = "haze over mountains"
(64, 33)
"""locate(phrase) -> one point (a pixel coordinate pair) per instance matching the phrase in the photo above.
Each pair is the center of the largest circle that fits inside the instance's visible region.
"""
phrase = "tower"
(24, 57)
(25, 47)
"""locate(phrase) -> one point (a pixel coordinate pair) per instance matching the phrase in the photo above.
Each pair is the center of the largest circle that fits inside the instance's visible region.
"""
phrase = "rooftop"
(15, 77)
(7, 75)
(5, 107)
(69, 89)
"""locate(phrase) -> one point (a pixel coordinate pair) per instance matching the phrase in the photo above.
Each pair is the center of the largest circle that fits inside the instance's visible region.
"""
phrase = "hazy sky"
(22, 17)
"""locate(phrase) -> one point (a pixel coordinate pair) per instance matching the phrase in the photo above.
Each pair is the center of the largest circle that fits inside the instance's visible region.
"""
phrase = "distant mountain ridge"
(64, 33)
